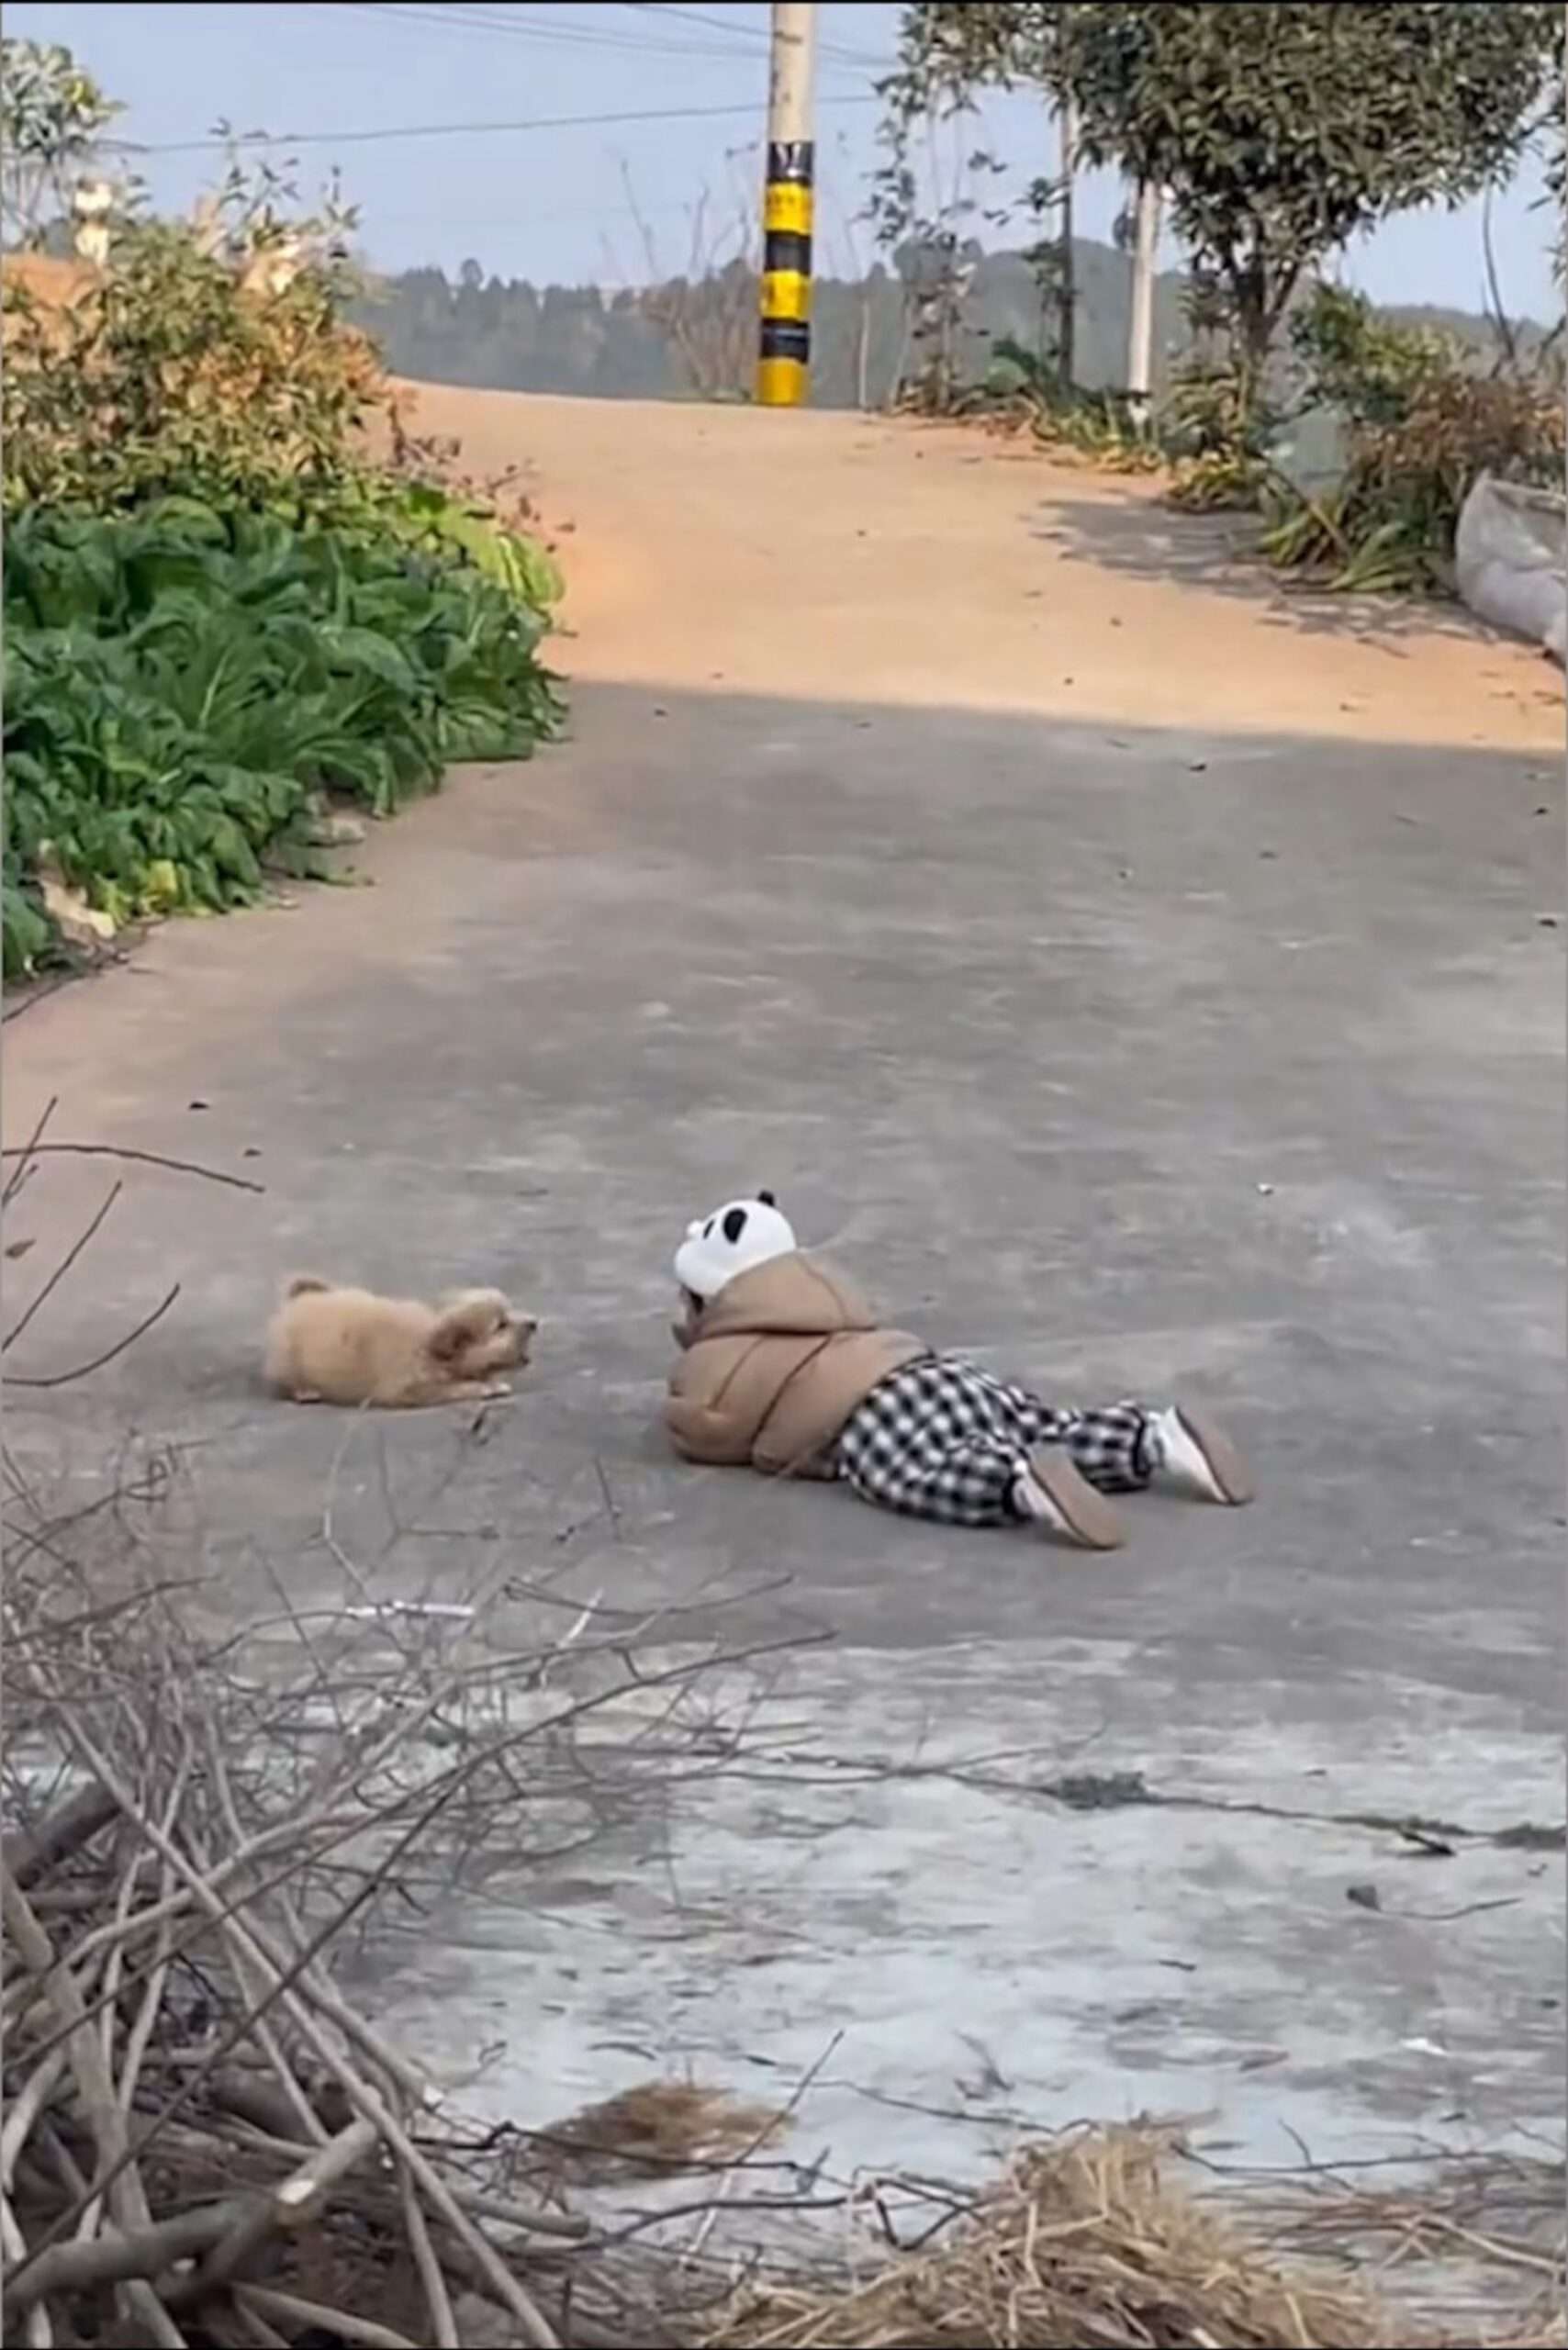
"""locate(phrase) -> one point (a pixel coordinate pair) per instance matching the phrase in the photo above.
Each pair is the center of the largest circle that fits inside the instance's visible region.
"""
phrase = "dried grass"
(657, 2127)
(1087, 2242)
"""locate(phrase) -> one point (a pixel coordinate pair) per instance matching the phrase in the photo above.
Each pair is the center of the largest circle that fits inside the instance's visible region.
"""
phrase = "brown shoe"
(1053, 1498)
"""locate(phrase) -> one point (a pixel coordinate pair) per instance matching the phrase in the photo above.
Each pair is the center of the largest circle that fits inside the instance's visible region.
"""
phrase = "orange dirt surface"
(825, 555)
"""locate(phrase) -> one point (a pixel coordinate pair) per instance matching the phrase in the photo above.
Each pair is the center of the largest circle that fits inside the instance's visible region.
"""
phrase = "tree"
(51, 116)
(1278, 133)
(1553, 130)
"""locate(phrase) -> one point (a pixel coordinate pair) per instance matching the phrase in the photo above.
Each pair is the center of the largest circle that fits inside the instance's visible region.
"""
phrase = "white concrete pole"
(1140, 329)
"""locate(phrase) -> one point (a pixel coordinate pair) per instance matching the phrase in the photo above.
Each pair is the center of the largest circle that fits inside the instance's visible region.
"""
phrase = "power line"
(561, 32)
(213, 145)
(741, 32)
(697, 16)
(569, 32)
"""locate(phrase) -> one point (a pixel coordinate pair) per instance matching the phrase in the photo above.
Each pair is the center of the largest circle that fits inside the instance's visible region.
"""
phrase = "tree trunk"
(1252, 337)
(1067, 281)
(1261, 294)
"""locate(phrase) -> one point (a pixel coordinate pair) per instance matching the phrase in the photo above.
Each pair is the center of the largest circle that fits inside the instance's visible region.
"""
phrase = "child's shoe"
(1049, 1494)
(1187, 1454)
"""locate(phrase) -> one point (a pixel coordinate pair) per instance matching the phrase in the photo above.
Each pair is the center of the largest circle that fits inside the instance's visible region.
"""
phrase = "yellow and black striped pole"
(784, 352)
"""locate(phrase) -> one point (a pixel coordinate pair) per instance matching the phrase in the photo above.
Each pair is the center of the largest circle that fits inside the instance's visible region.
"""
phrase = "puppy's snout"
(526, 1324)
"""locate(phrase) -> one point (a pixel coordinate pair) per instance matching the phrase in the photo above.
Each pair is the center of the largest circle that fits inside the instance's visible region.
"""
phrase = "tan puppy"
(347, 1345)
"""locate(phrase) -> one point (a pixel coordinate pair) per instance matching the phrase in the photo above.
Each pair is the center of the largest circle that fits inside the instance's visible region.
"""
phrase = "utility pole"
(784, 350)
(1140, 329)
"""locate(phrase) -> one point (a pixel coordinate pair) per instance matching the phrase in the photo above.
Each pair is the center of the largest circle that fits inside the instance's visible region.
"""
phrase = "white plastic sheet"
(1511, 561)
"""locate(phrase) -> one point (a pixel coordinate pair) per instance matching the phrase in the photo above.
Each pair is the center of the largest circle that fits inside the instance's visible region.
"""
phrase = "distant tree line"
(696, 338)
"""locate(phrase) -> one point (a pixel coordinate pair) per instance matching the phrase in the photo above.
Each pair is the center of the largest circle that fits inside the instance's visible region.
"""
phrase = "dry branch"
(26, 1151)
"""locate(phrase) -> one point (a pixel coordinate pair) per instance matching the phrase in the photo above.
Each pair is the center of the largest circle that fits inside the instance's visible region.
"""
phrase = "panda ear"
(734, 1224)
(767, 1200)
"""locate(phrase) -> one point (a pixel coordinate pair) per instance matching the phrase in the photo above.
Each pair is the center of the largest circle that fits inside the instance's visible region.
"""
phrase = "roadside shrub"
(172, 372)
(1422, 421)
(1216, 430)
(1022, 388)
(183, 685)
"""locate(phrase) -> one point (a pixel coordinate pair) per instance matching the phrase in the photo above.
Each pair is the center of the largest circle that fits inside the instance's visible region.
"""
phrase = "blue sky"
(553, 203)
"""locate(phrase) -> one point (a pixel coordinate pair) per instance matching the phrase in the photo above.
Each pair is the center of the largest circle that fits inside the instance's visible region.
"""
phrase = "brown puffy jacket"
(774, 1366)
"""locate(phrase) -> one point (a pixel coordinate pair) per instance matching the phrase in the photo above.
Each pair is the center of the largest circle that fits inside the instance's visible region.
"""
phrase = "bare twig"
(290, 2207)
(26, 1153)
(83, 1241)
(36, 1149)
(27, 1852)
(40, 994)
(64, 1378)
(116, 2259)
(290, 2309)
(1508, 338)
(128, 2200)
(444, 2325)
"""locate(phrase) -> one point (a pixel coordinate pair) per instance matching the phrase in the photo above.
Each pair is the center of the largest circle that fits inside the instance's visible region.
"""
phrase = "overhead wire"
(218, 144)
(829, 48)
(565, 32)
(572, 32)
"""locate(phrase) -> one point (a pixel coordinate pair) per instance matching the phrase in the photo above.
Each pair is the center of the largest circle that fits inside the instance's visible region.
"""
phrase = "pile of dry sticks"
(204, 2140)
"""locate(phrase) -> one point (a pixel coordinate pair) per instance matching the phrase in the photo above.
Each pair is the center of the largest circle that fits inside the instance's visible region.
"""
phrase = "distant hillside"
(671, 341)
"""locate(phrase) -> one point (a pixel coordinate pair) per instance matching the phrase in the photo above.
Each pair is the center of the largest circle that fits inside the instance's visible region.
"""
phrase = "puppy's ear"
(446, 1339)
(767, 1200)
(457, 1326)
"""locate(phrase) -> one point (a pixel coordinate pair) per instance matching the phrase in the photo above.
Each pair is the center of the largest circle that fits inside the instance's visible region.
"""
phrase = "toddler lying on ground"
(785, 1368)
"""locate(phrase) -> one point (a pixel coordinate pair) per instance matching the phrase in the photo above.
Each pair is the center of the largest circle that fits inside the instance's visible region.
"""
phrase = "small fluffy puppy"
(347, 1345)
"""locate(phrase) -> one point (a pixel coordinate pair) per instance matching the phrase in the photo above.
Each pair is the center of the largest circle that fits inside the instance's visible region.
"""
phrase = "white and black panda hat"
(732, 1240)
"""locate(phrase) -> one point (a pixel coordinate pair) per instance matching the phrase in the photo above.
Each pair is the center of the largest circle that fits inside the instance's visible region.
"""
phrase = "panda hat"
(732, 1240)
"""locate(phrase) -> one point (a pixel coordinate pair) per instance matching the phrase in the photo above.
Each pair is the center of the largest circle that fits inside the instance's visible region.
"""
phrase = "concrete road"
(1144, 979)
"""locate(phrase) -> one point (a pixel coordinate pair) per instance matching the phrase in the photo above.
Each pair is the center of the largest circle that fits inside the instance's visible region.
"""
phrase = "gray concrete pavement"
(1157, 1058)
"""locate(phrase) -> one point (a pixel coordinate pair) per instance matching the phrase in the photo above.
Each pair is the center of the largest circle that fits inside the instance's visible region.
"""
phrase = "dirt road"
(1133, 972)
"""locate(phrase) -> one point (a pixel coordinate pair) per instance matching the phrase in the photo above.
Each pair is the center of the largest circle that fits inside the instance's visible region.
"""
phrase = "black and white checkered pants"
(944, 1440)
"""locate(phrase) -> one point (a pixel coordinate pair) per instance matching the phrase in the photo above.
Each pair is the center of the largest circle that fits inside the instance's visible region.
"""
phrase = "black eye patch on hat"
(741, 1234)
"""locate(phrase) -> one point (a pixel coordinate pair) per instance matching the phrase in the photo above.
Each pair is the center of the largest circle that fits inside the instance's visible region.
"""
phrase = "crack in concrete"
(1089, 1791)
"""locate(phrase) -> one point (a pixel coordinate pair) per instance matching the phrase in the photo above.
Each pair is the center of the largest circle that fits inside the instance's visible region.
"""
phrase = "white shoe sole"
(1225, 1470)
(1064, 1503)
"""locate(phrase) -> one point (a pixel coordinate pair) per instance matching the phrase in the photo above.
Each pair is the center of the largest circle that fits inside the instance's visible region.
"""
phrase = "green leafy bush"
(183, 684)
